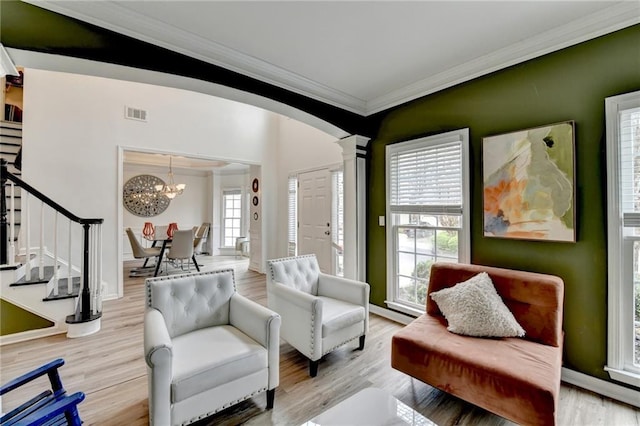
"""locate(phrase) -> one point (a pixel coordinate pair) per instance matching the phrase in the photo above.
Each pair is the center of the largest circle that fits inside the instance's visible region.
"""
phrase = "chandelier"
(170, 189)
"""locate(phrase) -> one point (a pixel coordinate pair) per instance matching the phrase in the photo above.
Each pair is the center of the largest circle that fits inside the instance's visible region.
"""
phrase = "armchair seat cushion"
(207, 358)
(338, 314)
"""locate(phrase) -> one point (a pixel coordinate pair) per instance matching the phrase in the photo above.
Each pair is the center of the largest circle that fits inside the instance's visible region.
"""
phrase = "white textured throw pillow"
(474, 308)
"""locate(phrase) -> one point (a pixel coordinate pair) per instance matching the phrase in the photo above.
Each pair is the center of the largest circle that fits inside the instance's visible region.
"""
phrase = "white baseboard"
(601, 387)
(584, 381)
(389, 314)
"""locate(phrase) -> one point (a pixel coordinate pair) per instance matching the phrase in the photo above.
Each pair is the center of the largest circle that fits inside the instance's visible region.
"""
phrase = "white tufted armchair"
(206, 347)
(319, 312)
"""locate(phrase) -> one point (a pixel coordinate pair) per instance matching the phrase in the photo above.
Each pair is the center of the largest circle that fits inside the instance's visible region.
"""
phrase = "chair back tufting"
(299, 272)
(190, 302)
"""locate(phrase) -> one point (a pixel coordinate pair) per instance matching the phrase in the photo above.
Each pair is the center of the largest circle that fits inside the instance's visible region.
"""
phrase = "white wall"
(74, 129)
(300, 148)
(75, 125)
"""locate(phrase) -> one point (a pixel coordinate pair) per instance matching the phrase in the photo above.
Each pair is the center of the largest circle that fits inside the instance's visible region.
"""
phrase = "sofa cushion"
(474, 308)
(338, 314)
(212, 356)
(516, 378)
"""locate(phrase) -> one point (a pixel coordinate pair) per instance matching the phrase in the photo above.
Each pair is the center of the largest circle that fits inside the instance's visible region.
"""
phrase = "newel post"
(4, 244)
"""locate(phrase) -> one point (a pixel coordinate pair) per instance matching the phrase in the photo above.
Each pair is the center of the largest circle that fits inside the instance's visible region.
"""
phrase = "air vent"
(135, 114)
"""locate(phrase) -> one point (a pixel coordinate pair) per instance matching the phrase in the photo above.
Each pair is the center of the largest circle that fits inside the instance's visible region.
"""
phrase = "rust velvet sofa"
(516, 378)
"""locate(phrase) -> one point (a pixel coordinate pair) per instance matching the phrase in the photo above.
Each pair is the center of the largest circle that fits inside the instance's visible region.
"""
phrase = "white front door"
(314, 216)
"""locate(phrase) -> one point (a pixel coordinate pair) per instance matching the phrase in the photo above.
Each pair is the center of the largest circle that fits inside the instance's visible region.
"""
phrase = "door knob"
(327, 233)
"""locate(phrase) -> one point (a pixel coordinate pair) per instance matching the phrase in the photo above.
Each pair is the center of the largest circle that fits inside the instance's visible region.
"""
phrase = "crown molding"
(619, 16)
(622, 15)
(158, 33)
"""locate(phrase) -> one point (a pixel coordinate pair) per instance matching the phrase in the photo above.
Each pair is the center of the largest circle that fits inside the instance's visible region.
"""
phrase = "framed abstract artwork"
(529, 183)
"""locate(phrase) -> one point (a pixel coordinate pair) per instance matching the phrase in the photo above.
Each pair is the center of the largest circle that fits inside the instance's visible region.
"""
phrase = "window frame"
(464, 240)
(223, 228)
(620, 303)
(292, 215)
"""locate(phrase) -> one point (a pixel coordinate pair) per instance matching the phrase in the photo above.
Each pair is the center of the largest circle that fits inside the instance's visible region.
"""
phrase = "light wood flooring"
(109, 367)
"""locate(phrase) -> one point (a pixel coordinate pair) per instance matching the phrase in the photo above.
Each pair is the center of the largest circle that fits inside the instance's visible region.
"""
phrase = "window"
(293, 216)
(231, 216)
(427, 213)
(623, 192)
(337, 221)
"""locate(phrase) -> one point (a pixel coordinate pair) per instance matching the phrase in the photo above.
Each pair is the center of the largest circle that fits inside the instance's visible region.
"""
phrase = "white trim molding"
(601, 387)
(620, 303)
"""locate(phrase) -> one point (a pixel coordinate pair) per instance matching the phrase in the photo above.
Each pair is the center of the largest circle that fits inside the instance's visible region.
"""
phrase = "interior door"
(314, 216)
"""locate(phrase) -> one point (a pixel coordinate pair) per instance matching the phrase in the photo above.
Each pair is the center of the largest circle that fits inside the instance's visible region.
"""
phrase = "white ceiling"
(186, 165)
(363, 56)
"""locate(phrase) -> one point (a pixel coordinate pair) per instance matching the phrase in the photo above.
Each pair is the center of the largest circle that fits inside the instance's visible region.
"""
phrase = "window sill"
(624, 376)
(404, 308)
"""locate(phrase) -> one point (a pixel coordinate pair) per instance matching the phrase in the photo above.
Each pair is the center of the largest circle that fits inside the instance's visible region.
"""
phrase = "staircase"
(41, 243)
(10, 150)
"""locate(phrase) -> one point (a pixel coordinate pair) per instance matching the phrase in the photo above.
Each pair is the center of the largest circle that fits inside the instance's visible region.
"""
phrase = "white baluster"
(12, 227)
(41, 249)
(69, 277)
(99, 251)
(27, 236)
(55, 254)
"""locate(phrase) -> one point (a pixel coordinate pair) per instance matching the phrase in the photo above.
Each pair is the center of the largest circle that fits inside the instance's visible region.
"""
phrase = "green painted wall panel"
(567, 85)
(14, 319)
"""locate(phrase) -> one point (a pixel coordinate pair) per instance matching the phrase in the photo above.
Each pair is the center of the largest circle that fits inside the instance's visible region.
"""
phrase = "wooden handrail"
(6, 175)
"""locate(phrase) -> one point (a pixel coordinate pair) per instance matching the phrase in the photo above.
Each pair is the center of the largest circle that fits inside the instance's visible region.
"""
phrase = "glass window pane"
(407, 289)
(424, 241)
(406, 263)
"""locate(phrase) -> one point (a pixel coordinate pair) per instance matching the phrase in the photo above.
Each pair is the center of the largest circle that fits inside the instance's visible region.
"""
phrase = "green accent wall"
(571, 84)
(14, 319)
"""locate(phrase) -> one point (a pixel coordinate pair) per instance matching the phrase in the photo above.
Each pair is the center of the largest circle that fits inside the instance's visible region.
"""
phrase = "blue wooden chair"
(50, 407)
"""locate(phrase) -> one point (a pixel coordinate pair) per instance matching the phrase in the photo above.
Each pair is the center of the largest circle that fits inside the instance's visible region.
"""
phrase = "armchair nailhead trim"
(282, 259)
(148, 281)
(210, 413)
(326, 351)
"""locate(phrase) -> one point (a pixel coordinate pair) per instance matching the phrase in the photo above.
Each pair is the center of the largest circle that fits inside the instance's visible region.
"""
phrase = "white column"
(355, 199)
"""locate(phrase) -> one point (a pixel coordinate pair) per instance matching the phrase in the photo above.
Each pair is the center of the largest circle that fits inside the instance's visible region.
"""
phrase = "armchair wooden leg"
(271, 396)
(361, 347)
(313, 368)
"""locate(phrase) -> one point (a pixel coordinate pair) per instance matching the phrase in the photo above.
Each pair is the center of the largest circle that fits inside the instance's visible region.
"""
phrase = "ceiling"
(186, 165)
(362, 56)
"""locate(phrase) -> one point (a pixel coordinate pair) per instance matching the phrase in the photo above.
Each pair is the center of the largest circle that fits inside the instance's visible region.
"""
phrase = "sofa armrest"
(263, 326)
(158, 353)
(301, 318)
(352, 291)
(158, 348)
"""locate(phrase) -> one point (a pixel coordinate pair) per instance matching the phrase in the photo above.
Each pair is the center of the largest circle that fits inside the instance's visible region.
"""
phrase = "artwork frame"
(141, 198)
(528, 183)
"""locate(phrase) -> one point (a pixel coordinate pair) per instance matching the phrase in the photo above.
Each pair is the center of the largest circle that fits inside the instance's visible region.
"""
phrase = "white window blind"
(630, 166)
(427, 179)
(293, 215)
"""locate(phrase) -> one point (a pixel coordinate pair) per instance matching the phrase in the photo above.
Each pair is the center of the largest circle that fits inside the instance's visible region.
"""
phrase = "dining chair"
(242, 244)
(140, 252)
(200, 235)
(182, 248)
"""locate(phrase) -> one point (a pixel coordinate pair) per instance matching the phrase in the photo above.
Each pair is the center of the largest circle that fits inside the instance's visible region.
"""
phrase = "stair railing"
(89, 303)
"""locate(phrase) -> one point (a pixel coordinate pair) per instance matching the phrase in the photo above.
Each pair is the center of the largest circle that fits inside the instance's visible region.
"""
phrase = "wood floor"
(109, 367)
